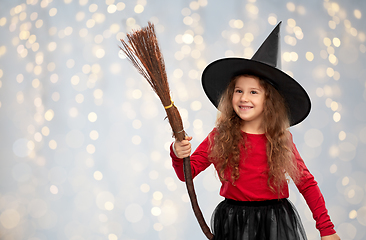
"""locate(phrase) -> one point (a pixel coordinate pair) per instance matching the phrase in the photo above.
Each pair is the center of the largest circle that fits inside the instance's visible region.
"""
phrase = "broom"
(142, 50)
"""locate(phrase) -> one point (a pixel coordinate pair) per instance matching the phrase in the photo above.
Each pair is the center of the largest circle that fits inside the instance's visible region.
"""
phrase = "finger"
(185, 143)
(188, 138)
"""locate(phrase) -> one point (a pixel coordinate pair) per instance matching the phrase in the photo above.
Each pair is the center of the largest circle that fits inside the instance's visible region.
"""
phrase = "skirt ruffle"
(257, 220)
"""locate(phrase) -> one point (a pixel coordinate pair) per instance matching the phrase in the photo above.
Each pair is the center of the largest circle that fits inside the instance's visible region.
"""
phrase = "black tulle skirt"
(257, 220)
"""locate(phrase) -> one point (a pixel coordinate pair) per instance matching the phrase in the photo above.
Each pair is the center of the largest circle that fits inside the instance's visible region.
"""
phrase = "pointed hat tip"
(278, 25)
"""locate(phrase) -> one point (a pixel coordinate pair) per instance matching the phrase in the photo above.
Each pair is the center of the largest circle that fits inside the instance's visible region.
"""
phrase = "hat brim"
(218, 74)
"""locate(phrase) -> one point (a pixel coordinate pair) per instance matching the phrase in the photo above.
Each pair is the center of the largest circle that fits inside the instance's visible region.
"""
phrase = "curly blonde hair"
(228, 137)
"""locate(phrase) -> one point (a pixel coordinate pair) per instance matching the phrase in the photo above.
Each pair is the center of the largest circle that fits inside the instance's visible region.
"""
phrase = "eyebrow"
(250, 88)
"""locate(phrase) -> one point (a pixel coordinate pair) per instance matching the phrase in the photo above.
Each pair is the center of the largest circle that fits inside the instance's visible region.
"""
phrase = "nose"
(244, 97)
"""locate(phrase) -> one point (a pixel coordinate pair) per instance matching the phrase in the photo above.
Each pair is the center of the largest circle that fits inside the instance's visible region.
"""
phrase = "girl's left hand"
(331, 237)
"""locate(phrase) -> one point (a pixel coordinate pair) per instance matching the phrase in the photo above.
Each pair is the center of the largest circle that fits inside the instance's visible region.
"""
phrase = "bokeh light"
(84, 140)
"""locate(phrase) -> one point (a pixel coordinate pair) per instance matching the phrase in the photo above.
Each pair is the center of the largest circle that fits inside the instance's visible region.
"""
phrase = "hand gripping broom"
(142, 50)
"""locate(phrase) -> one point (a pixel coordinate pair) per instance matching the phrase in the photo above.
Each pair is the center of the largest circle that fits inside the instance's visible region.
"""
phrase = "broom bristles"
(142, 50)
(144, 53)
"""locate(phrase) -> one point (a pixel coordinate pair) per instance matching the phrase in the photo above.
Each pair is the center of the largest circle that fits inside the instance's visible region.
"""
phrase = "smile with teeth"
(245, 107)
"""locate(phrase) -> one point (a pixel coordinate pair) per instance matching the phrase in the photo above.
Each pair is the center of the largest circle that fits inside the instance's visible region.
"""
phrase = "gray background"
(83, 140)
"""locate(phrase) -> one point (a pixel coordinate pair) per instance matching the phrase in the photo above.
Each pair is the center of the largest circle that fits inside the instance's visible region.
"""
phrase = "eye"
(238, 91)
(253, 92)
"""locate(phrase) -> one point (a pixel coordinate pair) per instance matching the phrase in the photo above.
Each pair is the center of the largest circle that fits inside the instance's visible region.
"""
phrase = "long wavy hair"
(228, 138)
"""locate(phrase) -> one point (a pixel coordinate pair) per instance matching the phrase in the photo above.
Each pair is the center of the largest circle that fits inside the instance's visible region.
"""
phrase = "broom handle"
(192, 196)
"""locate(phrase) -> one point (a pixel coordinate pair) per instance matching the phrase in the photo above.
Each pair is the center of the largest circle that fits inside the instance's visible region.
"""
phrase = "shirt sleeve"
(199, 160)
(308, 187)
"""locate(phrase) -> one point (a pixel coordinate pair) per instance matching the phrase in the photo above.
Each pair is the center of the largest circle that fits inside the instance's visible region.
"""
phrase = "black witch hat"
(265, 64)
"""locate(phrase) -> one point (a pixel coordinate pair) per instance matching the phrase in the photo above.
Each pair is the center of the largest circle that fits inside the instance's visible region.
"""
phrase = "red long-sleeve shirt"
(252, 182)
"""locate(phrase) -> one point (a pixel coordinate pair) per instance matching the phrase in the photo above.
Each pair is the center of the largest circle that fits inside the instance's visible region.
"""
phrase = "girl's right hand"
(183, 148)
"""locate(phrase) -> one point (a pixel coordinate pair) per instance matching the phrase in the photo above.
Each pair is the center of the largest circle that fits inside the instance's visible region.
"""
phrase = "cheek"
(233, 100)
(262, 104)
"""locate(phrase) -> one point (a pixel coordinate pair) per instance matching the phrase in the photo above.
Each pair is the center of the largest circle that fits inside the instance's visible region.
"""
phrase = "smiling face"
(248, 103)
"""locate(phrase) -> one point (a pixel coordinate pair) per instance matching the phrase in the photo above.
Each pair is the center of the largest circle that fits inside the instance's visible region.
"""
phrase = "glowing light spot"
(120, 6)
(52, 144)
(194, 5)
(20, 97)
(187, 38)
(336, 42)
(313, 138)
(188, 20)
(334, 106)
(309, 56)
(94, 135)
(145, 188)
(90, 148)
(332, 24)
(30, 145)
(70, 63)
(2, 50)
(136, 94)
(291, 22)
(333, 168)
(198, 39)
(139, 8)
(19, 78)
(53, 12)
(49, 115)
(272, 19)
(109, 206)
(90, 23)
(251, 8)
(330, 72)
(2, 21)
(286, 56)
(196, 105)
(92, 117)
(158, 227)
(157, 195)
(54, 78)
(100, 53)
(336, 117)
(52, 46)
(178, 73)
(38, 137)
(53, 189)
(345, 181)
(112, 236)
(37, 70)
(55, 96)
(93, 7)
(9, 218)
(330, 50)
(327, 42)
(291, 6)
(156, 211)
(333, 59)
(45, 131)
(136, 124)
(294, 56)
(112, 8)
(136, 140)
(80, 16)
(197, 123)
(98, 175)
(357, 14)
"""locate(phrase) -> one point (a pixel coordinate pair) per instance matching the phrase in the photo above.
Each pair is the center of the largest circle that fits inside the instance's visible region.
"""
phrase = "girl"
(252, 149)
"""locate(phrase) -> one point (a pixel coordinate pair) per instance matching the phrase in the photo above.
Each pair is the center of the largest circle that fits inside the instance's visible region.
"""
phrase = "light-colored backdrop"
(83, 139)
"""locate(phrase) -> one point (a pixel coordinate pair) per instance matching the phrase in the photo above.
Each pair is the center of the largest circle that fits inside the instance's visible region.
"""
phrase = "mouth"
(245, 107)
